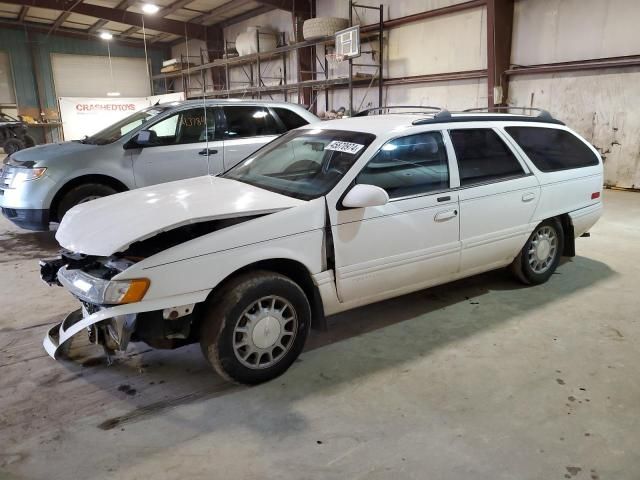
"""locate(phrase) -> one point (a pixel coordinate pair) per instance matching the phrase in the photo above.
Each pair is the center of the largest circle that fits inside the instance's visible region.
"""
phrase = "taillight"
(595, 195)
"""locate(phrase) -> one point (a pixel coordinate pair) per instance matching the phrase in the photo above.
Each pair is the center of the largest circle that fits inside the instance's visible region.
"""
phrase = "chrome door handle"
(445, 215)
(208, 151)
(527, 197)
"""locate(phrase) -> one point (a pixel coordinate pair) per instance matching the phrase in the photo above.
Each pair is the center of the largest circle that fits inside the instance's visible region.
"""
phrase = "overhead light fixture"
(150, 8)
(106, 36)
(113, 94)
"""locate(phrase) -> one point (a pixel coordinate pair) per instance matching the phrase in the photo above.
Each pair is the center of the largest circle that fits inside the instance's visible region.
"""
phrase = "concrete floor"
(479, 379)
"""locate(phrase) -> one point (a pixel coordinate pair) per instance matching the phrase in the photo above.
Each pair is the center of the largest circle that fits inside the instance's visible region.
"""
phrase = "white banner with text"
(86, 116)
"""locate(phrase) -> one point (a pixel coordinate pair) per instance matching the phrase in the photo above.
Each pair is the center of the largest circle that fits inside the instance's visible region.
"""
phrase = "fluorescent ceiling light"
(150, 8)
(106, 36)
(113, 94)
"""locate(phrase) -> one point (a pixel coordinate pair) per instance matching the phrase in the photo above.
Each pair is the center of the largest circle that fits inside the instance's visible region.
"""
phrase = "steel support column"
(499, 31)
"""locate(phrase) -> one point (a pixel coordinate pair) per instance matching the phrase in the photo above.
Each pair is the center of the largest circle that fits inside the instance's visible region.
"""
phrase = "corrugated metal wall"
(19, 45)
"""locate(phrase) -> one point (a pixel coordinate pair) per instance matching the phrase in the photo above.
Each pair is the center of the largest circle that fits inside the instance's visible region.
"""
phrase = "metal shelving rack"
(252, 66)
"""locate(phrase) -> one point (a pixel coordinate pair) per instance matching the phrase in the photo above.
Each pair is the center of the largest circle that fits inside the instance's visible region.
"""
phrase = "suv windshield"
(124, 126)
(304, 164)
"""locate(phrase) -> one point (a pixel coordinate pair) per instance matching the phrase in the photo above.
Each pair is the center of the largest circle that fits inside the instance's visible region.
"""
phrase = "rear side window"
(409, 165)
(290, 119)
(249, 121)
(551, 149)
(483, 156)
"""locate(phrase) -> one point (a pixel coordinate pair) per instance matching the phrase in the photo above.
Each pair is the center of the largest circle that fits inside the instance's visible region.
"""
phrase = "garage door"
(89, 76)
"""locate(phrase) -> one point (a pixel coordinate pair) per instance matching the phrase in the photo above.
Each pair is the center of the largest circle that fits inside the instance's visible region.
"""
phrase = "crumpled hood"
(43, 155)
(108, 225)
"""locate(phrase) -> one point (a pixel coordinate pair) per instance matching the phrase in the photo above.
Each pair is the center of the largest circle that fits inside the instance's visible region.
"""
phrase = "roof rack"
(418, 108)
(542, 114)
(445, 116)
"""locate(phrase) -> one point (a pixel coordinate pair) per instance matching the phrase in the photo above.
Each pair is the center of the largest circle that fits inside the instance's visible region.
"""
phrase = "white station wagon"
(324, 219)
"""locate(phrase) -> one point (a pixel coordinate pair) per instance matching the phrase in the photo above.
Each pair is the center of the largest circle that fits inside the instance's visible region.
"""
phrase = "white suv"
(324, 219)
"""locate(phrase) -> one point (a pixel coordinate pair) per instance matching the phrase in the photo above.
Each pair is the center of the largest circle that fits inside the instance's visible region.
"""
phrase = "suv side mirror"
(144, 138)
(361, 196)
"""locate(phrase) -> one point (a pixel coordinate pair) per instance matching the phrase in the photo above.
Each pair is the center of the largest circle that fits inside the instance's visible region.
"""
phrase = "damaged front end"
(112, 312)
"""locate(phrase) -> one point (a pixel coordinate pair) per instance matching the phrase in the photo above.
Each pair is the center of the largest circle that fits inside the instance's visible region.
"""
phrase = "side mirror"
(361, 196)
(144, 138)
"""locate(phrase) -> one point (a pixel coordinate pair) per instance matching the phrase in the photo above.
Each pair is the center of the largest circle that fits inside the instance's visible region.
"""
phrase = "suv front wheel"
(82, 194)
(255, 327)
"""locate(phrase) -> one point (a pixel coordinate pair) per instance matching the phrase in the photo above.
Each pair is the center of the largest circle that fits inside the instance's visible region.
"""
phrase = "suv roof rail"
(419, 108)
(542, 114)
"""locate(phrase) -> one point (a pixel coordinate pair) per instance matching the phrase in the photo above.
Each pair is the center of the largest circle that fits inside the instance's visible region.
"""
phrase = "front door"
(182, 150)
(247, 128)
(498, 197)
(412, 241)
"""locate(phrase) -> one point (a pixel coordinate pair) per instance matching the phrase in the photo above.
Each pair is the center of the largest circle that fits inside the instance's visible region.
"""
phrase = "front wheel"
(82, 194)
(540, 256)
(256, 327)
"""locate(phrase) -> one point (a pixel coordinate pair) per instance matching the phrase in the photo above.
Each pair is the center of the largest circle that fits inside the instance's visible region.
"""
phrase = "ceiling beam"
(245, 16)
(63, 17)
(23, 14)
(120, 16)
(64, 32)
(287, 5)
(168, 10)
(123, 5)
(219, 11)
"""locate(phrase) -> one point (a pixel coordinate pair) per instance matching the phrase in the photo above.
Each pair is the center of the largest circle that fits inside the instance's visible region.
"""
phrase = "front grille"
(90, 307)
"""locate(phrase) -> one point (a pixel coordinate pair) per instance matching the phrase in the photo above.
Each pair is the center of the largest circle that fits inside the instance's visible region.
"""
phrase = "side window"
(483, 156)
(187, 126)
(409, 166)
(551, 149)
(249, 121)
(290, 119)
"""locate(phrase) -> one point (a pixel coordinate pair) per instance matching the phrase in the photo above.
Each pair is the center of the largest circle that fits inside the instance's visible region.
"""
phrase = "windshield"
(124, 126)
(304, 164)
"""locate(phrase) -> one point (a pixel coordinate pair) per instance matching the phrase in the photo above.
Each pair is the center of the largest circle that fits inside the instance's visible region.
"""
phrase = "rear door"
(246, 129)
(182, 149)
(498, 197)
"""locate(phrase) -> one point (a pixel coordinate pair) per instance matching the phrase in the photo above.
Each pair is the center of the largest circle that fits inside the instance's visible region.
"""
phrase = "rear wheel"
(540, 256)
(82, 194)
(256, 327)
(13, 145)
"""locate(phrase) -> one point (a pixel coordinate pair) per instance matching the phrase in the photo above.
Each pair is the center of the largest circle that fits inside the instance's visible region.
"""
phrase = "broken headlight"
(102, 292)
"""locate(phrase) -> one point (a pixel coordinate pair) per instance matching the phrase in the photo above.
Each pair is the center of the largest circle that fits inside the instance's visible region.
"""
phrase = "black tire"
(226, 312)
(81, 194)
(29, 141)
(527, 266)
(13, 145)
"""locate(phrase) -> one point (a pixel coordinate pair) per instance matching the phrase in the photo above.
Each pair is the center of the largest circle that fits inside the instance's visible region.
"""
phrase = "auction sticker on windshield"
(346, 147)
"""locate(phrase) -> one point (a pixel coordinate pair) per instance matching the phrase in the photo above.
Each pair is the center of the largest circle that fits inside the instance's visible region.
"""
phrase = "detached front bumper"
(122, 322)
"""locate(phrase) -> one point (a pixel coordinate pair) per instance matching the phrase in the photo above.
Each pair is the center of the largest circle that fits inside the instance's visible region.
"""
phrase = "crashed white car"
(324, 219)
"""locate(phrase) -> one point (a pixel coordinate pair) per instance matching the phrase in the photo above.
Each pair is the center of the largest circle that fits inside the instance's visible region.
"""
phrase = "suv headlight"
(102, 292)
(19, 175)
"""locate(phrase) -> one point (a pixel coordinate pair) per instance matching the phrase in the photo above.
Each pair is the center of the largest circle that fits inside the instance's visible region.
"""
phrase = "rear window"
(290, 119)
(551, 149)
(483, 156)
(249, 121)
